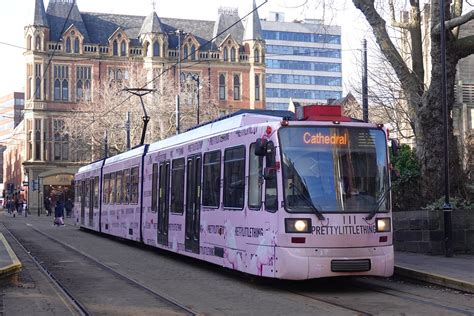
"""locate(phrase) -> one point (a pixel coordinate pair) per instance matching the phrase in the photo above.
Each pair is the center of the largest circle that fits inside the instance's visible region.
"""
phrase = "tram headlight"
(297, 225)
(383, 225)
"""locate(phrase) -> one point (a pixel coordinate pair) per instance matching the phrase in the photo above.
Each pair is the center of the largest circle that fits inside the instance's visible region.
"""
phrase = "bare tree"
(106, 112)
(423, 97)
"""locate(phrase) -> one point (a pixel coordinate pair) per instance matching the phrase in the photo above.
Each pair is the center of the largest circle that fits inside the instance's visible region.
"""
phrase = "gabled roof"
(223, 22)
(151, 24)
(57, 13)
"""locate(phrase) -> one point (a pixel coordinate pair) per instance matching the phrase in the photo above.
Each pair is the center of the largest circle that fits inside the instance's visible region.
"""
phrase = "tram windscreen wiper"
(308, 201)
(380, 201)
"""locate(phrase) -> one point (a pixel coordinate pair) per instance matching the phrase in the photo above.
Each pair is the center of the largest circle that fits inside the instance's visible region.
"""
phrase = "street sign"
(25, 183)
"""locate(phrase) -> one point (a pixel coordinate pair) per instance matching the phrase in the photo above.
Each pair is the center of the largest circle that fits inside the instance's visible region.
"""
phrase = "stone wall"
(423, 231)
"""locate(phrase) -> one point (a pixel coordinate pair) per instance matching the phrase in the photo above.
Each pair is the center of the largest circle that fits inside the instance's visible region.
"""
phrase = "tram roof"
(223, 124)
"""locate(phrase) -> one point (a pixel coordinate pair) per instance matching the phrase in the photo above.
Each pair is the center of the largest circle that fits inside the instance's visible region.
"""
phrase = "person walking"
(59, 213)
(69, 205)
(47, 206)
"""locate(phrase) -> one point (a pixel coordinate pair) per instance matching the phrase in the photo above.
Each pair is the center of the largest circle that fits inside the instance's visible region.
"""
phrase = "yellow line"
(16, 264)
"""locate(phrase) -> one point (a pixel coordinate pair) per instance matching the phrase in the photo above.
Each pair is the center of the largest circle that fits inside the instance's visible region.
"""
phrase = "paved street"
(202, 288)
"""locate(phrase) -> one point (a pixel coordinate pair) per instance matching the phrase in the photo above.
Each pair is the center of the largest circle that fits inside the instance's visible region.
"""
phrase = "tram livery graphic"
(262, 192)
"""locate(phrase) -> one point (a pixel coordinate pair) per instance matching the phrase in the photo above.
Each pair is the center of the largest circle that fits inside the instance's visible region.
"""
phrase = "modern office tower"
(303, 61)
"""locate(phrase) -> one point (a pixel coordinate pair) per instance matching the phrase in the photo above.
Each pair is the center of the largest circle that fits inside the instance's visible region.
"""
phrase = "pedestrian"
(59, 213)
(69, 206)
(47, 206)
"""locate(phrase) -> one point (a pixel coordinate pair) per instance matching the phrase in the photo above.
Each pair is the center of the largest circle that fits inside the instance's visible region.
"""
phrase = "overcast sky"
(14, 15)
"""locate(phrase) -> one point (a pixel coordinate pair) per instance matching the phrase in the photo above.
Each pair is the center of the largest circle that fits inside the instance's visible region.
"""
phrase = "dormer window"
(256, 55)
(232, 54)
(68, 45)
(38, 42)
(226, 54)
(123, 49)
(28, 42)
(185, 52)
(193, 52)
(115, 48)
(76, 45)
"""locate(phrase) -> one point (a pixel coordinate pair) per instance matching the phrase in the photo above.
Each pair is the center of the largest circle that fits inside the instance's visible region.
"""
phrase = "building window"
(156, 49)
(61, 141)
(232, 54)
(123, 49)
(28, 42)
(236, 87)
(29, 139)
(76, 45)
(83, 85)
(61, 83)
(115, 48)
(222, 94)
(38, 74)
(257, 87)
(185, 52)
(68, 45)
(38, 42)
(256, 55)
(226, 54)
(193, 52)
(37, 139)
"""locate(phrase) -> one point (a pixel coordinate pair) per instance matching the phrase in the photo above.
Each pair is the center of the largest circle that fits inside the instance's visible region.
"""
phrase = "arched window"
(185, 52)
(115, 48)
(65, 90)
(76, 45)
(256, 55)
(232, 54)
(68, 45)
(257, 87)
(79, 90)
(119, 75)
(30, 88)
(28, 42)
(156, 49)
(236, 87)
(87, 91)
(57, 90)
(38, 88)
(222, 94)
(38, 42)
(123, 49)
(37, 144)
(193, 52)
(226, 54)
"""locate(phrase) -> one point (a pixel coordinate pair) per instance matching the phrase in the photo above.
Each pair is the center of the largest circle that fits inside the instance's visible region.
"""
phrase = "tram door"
(83, 201)
(193, 204)
(163, 203)
(91, 201)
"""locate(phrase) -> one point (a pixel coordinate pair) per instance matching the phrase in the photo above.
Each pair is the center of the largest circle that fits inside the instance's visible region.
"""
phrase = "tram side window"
(234, 177)
(112, 188)
(118, 180)
(96, 192)
(211, 187)
(134, 186)
(106, 189)
(255, 184)
(271, 196)
(154, 188)
(88, 188)
(177, 185)
(126, 186)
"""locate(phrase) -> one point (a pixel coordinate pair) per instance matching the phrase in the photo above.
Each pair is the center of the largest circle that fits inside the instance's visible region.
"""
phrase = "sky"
(14, 15)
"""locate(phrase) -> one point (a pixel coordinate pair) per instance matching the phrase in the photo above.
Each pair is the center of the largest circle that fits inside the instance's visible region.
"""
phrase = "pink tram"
(258, 191)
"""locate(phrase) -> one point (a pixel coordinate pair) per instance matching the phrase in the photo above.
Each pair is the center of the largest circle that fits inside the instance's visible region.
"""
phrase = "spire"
(253, 28)
(40, 18)
(151, 24)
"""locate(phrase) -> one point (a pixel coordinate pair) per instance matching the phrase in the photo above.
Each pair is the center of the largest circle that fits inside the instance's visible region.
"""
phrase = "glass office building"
(303, 62)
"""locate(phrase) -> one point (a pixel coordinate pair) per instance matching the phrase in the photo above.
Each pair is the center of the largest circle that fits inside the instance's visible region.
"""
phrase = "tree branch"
(394, 22)
(455, 22)
(464, 46)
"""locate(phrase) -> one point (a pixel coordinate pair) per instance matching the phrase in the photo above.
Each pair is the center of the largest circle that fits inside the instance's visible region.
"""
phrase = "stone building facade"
(70, 53)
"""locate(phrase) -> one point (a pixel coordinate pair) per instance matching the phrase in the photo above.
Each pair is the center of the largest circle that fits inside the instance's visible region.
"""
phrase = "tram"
(267, 193)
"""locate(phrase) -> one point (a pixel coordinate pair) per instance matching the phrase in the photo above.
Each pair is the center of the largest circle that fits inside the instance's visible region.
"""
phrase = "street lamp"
(195, 77)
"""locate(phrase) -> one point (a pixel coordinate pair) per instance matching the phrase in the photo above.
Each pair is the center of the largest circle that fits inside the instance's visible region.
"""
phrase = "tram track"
(364, 286)
(119, 275)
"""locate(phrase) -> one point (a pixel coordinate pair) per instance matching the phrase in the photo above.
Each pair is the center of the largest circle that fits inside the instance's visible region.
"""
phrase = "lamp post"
(447, 208)
(195, 77)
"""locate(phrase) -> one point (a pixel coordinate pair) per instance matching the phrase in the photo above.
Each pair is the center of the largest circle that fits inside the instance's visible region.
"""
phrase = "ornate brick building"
(70, 53)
